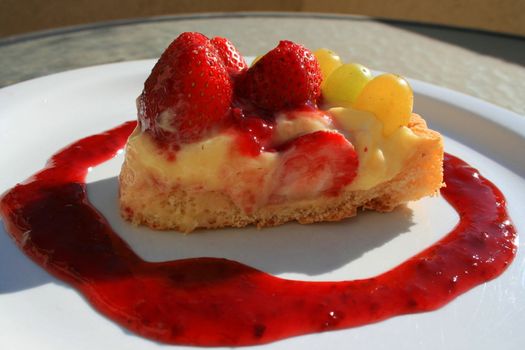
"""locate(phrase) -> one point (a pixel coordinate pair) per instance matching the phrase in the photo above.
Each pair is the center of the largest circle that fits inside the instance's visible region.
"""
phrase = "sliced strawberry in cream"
(322, 162)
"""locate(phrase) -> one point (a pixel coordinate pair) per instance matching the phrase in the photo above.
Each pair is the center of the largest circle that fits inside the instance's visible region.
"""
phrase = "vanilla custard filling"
(215, 165)
(380, 157)
(288, 126)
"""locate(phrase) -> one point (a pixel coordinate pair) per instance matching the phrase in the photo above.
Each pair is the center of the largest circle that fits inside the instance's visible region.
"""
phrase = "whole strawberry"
(188, 92)
(286, 77)
(232, 59)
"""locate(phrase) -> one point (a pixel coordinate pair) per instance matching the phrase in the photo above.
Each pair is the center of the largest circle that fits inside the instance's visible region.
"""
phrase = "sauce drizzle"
(218, 302)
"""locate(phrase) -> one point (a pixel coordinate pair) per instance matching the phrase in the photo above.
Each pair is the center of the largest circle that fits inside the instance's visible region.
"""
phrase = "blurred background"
(502, 16)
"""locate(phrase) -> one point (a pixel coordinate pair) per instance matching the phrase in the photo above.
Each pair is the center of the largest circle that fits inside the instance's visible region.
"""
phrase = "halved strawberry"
(318, 163)
(232, 59)
(188, 92)
(286, 77)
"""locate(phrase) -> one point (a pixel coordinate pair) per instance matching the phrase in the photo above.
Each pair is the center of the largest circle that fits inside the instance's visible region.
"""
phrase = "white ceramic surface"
(40, 116)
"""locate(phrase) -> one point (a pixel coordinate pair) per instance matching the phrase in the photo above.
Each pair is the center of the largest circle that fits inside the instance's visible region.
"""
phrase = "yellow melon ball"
(328, 61)
(344, 84)
(390, 98)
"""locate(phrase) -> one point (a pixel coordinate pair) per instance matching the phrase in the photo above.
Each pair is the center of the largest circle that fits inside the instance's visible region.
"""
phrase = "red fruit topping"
(232, 59)
(253, 133)
(286, 77)
(320, 162)
(188, 93)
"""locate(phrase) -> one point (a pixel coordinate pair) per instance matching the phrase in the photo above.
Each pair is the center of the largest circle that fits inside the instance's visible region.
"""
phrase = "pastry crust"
(144, 201)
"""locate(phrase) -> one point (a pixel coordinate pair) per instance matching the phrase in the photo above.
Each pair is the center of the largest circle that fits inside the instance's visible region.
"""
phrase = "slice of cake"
(295, 137)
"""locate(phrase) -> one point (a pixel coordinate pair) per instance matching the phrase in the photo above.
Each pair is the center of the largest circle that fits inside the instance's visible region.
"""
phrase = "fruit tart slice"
(295, 137)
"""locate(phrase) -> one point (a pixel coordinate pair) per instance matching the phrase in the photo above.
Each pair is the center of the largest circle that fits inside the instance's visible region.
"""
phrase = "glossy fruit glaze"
(210, 301)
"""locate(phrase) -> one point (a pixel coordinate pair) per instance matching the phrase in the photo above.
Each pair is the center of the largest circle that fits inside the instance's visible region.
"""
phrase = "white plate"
(40, 116)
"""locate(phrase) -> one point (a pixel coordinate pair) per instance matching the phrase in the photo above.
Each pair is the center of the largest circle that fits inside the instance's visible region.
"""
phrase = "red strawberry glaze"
(210, 301)
(252, 129)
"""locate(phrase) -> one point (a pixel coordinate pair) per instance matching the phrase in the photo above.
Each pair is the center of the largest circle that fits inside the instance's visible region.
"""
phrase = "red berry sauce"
(253, 131)
(210, 301)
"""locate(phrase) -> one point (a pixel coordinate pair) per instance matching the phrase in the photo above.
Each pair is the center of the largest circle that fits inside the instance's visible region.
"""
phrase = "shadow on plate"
(17, 271)
(291, 248)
